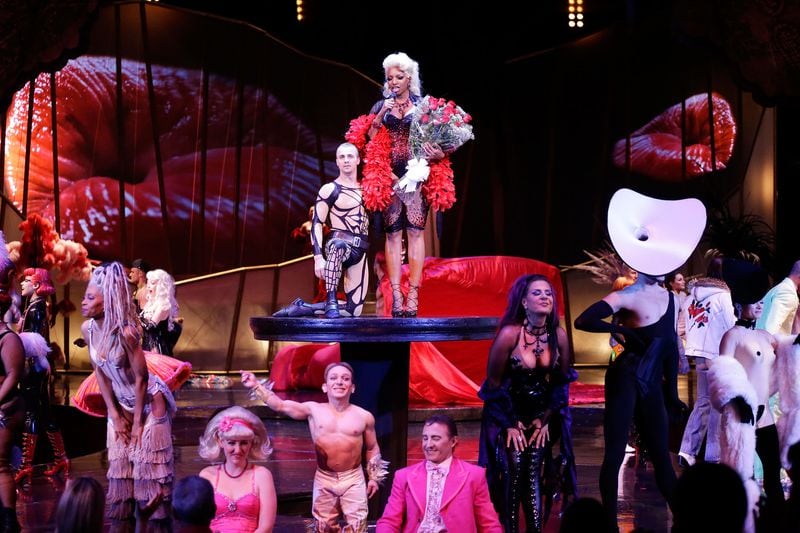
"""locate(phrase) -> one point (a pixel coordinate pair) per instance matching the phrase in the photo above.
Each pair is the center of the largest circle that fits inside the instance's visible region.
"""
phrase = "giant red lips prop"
(656, 148)
(274, 148)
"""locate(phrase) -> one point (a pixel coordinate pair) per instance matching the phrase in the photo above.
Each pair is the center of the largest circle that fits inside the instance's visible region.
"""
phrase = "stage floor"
(292, 462)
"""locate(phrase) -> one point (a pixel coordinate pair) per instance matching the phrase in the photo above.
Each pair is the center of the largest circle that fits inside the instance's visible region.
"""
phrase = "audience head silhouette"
(193, 501)
(81, 508)
(709, 497)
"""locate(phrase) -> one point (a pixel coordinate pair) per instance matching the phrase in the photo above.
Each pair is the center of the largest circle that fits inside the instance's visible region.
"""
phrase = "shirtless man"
(339, 431)
(339, 204)
(137, 275)
(646, 328)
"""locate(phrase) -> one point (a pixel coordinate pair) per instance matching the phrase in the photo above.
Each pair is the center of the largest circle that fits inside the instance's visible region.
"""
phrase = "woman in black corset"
(407, 210)
(529, 359)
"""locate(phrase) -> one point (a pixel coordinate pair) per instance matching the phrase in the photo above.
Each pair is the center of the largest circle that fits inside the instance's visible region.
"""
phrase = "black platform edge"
(418, 413)
(373, 329)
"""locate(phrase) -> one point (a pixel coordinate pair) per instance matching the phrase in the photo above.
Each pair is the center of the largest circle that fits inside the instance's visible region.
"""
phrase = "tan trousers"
(340, 495)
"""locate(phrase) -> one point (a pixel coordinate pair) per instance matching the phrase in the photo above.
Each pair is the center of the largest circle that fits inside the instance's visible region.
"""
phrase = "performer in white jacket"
(780, 304)
(708, 315)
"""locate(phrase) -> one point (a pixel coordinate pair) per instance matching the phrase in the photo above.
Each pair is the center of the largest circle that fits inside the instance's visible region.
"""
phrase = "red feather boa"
(376, 183)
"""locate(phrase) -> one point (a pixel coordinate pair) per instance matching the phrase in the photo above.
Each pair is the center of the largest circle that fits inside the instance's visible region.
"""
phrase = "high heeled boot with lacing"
(61, 462)
(28, 450)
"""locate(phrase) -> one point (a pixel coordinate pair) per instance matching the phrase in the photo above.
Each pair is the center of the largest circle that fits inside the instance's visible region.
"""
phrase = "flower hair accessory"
(227, 423)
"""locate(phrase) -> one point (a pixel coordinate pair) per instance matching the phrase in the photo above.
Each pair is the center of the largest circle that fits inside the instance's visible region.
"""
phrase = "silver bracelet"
(266, 385)
(377, 469)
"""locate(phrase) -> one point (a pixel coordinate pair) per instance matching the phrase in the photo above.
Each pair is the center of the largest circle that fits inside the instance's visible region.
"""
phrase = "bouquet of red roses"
(435, 121)
(438, 121)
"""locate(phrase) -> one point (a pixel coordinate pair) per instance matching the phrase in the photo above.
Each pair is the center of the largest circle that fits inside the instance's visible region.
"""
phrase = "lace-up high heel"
(61, 462)
(412, 301)
(397, 301)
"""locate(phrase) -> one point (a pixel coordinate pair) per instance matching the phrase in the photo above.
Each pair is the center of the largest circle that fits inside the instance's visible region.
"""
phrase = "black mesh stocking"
(333, 265)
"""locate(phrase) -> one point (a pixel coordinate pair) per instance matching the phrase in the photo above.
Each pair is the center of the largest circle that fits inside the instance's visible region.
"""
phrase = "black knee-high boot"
(524, 487)
(532, 491)
(514, 494)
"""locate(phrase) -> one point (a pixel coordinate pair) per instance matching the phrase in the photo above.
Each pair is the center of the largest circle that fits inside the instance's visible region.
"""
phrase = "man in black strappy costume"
(339, 205)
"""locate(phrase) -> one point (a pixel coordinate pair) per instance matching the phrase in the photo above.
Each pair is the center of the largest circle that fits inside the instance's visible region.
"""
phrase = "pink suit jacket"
(465, 506)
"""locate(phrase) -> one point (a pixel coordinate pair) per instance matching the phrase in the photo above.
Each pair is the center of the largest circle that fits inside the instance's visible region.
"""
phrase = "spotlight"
(575, 13)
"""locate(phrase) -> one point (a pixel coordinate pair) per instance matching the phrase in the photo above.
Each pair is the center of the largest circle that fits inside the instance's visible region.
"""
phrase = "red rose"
(467, 118)
(425, 119)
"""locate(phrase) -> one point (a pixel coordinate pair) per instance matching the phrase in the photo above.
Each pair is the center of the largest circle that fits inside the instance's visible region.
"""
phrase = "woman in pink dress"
(244, 492)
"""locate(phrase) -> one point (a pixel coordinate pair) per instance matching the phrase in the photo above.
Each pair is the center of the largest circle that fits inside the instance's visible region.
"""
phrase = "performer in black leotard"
(643, 378)
(340, 206)
(634, 380)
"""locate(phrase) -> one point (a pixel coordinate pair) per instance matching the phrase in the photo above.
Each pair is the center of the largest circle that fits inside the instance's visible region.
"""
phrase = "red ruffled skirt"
(173, 372)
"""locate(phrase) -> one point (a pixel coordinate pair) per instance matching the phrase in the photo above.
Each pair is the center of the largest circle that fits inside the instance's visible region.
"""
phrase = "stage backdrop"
(194, 142)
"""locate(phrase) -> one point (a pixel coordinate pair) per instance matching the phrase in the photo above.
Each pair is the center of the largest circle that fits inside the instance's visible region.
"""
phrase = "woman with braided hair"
(140, 406)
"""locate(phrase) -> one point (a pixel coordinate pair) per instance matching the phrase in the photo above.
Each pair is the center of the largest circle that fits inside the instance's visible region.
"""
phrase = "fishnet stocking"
(334, 259)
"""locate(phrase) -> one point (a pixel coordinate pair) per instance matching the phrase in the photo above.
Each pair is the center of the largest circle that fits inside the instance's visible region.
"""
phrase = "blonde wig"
(161, 303)
(234, 423)
(407, 65)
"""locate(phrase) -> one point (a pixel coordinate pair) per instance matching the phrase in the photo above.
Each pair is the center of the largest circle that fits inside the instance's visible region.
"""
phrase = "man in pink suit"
(441, 493)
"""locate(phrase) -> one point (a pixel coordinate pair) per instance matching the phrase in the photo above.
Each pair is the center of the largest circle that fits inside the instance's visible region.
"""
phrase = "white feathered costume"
(787, 376)
(727, 380)
(37, 347)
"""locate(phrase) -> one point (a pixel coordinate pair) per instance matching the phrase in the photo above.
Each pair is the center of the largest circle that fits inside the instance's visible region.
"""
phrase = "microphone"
(393, 95)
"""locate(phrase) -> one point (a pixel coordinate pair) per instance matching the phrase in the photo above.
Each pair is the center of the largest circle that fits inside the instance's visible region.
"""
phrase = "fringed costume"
(136, 474)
